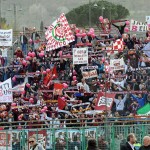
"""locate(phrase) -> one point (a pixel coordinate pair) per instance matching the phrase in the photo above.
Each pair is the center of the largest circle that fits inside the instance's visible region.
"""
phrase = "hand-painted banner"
(117, 64)
(89, 74)
(89, 67)
(6, 95)
(104, 101)
(59, 34)
(80, 55)
(136, 26)
(6, 37)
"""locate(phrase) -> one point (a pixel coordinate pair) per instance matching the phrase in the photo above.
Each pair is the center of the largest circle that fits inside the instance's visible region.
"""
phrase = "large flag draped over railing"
(59, 34)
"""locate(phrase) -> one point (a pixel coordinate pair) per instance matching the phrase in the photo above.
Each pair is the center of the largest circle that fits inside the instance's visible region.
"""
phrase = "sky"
(30, 13)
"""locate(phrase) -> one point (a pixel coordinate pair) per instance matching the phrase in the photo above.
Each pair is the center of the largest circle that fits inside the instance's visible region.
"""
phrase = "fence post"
(143, 132)
(112, 137)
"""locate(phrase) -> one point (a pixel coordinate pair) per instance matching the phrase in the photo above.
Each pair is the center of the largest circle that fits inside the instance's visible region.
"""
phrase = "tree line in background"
(80, 15)
(3, 24)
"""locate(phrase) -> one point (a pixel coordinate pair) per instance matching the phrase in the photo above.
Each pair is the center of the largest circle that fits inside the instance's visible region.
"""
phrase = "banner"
(6, 95)
(80, 55)
(18, 88)
(136, 26)
(89, 74)
(5, 141)
(89, 67)
(40, 135)
(6, 37)
(117, 64)
(104, 101)
(59, 34)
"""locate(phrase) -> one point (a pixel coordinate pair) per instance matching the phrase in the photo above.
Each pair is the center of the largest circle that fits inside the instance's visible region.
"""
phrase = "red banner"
(104, 101)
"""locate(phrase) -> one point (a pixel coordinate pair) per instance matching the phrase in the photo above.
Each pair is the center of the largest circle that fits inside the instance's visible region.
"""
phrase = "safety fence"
(108, 136)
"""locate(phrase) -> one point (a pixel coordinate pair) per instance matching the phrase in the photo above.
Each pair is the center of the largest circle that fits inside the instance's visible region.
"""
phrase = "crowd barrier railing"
(108, 137)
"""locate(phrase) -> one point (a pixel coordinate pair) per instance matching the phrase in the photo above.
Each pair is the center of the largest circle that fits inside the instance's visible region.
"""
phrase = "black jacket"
(126, 147)
(25, 40)
(145, 148)
(36, 35)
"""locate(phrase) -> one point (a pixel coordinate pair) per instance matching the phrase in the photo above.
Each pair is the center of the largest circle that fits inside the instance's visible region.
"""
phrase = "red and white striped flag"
(59, 34)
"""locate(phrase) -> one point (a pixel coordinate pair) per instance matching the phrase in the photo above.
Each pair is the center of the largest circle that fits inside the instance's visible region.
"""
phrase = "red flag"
(104, 101)
(57, 89)
(47, 78)
(61, 103)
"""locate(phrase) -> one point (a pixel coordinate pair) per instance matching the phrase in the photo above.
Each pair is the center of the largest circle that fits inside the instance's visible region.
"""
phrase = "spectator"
(75, 145)
(92, 145)
(23, 41)
(131, 140)
(34, 145)
(146, 143)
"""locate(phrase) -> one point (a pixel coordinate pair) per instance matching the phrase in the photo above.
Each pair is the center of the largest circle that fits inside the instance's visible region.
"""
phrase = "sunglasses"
(31, 141)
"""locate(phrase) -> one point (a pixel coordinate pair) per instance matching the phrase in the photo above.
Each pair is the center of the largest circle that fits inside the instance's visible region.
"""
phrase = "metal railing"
(71, 138)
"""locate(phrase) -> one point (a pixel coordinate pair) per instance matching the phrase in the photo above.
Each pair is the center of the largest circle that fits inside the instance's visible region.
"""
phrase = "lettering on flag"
(89, 74)
(80, 55)
(136, 26)
(104, 101)
(59, 34)
(5, 93)
(6, 37)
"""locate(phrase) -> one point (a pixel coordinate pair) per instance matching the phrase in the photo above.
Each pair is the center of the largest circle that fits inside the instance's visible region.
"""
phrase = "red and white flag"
(59, 34)
(118, 45)
(104, 101)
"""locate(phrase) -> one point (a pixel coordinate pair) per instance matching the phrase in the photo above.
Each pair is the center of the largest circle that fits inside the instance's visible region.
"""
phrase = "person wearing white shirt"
(120, 102)
(4, 55)
(83, 85)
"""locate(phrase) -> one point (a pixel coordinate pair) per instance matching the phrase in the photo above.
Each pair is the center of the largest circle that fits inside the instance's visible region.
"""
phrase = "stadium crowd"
(41, 73)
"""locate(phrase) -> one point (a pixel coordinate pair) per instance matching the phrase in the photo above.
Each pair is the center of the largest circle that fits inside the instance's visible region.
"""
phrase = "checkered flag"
(118, 45)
